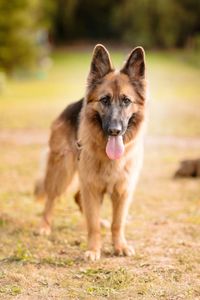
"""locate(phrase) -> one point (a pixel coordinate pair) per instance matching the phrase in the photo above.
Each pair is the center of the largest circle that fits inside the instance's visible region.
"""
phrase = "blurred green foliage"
(22, 24)
(83, 19)
(150, 23)
(158, 23)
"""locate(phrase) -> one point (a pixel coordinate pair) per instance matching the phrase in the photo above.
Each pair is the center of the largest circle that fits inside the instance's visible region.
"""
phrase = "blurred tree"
(95, 18)
(83, 19)
(20, 23)
(157, 22)
(151, 23)
(65, 25)
(133, 21)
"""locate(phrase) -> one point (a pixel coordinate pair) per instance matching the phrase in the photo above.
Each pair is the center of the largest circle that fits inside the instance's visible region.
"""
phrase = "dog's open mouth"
(115, 147)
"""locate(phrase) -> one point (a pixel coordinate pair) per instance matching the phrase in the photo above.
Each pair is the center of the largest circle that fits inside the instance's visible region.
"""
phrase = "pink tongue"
(115, 147)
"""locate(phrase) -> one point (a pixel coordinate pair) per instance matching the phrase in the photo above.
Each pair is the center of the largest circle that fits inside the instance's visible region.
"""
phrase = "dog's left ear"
(100, 65)
(134, 67)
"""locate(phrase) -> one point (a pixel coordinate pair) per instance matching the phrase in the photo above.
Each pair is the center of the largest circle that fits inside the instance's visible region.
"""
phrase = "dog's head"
(115, 99)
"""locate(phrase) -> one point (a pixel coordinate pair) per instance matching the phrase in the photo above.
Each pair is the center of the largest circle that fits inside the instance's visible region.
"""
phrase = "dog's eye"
(105, 100)
(126, 101)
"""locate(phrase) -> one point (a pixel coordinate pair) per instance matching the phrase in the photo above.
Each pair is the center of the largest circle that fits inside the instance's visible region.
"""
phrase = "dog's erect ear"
(134, 67)
(100, 65)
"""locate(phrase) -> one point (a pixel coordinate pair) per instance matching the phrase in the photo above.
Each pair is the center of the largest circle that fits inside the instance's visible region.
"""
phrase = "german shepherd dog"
(100, 137)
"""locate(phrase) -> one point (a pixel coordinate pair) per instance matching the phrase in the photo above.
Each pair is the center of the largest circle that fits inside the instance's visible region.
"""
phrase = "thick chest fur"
(105, 174)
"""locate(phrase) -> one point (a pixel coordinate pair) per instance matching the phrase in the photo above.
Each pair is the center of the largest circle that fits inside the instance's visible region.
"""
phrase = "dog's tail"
(40, 193)
(39, 187)
(39, 190)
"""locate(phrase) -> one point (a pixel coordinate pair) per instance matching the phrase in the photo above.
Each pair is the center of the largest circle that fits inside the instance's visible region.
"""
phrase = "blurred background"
(29, 29)
(46, 47)
(45, 53)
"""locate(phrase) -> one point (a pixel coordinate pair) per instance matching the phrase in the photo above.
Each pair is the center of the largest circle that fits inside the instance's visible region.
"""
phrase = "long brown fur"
(77, 144)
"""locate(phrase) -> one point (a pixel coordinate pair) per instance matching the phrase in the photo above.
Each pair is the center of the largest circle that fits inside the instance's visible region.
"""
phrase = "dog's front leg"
(121, 202)
(91, 200)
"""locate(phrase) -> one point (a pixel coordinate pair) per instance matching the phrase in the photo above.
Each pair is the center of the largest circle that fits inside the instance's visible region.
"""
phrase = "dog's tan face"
(115, 99)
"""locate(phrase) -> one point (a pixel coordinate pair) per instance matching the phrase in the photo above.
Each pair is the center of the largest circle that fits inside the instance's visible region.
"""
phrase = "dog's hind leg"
(59, 174)
(60, 169)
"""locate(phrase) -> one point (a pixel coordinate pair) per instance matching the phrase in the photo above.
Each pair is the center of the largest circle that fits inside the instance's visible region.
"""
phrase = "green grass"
(164, 218)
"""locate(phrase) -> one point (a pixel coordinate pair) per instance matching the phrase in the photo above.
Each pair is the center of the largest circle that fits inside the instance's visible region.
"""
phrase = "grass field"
(164, 220)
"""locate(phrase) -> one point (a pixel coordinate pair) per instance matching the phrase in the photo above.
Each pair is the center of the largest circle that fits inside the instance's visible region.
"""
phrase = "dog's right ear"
(100, 65)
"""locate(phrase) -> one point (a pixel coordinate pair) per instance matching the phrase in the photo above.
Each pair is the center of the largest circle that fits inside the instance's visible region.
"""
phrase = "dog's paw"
(124, 250)
(92, 255)
(45, 229)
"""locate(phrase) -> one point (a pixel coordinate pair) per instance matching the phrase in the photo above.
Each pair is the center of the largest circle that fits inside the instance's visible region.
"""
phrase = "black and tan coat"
(101, 138)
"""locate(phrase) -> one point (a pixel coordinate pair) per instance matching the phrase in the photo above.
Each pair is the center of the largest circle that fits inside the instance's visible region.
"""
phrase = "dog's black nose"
(114, 130)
